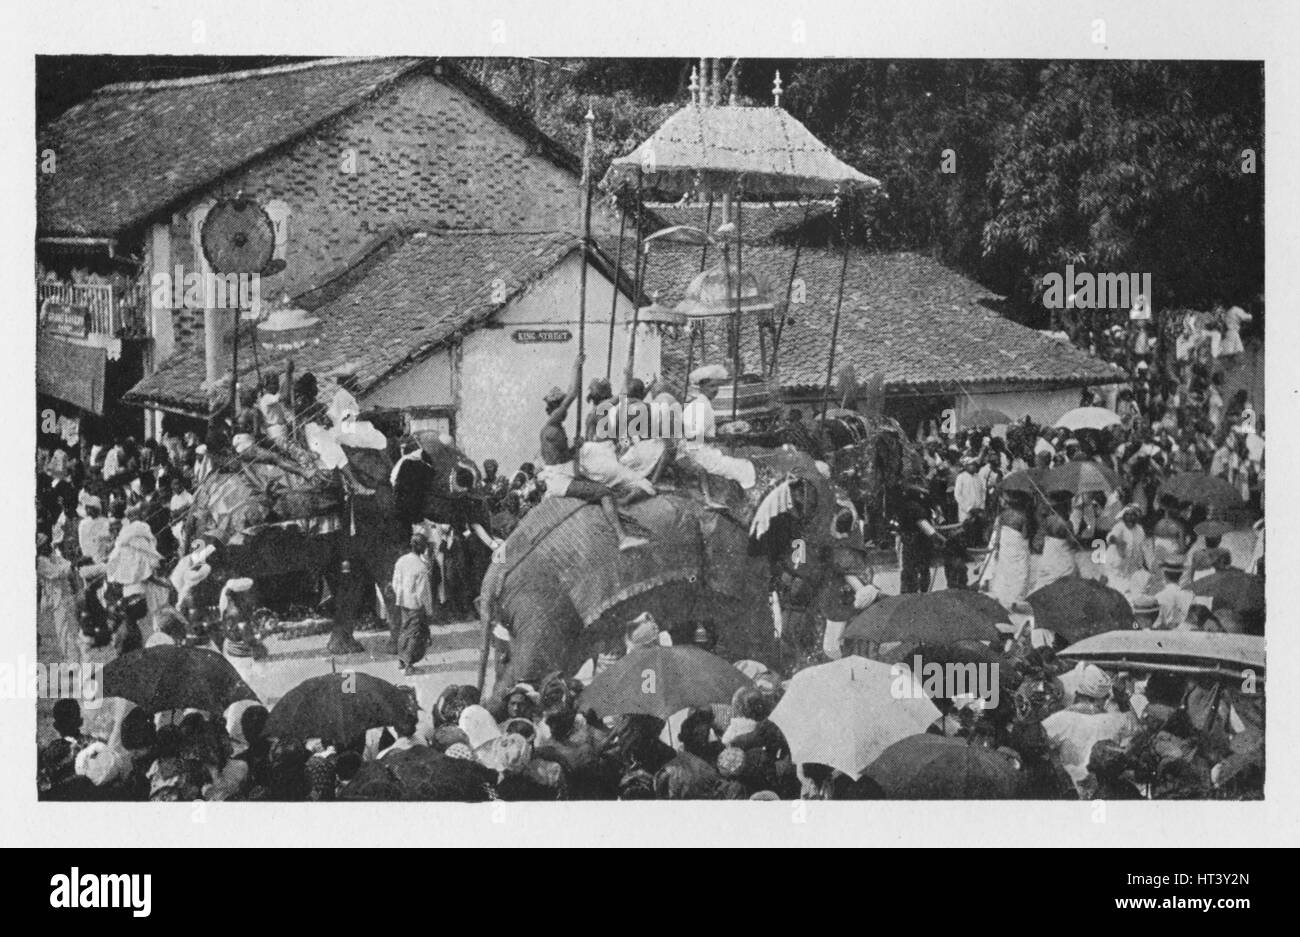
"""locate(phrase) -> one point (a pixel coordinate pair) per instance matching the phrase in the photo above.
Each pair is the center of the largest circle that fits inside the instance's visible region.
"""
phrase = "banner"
(72, 373)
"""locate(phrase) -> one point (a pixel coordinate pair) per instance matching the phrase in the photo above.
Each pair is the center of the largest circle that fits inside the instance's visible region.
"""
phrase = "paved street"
(454, 648)
(452, 658)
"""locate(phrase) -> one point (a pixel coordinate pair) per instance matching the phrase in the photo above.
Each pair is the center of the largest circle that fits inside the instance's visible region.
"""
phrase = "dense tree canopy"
(1007, 169)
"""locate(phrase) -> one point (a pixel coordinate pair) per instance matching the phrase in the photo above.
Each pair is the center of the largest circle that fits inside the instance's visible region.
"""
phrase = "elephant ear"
(445, 459)
(370, 466)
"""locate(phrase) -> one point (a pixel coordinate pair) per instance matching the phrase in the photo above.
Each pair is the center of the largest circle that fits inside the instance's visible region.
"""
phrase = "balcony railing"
(119, 311)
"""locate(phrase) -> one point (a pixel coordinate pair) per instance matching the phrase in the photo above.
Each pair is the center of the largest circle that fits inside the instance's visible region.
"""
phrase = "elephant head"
(452, 481)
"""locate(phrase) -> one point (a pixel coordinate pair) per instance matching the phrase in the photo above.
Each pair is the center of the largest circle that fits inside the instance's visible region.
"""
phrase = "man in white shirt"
(413, 593)
(1173, 599)
(700, 430)
(1073, 732)
(968, 490)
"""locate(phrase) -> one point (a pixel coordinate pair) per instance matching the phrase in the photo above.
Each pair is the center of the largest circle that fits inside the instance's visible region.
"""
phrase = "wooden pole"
(234, 369)
(835, 328)
(708, 224)
(483, 658)
(636, 315)
(690, 327)
(735, 354)
(789, 290)
(637, 272)
(613, 306)
(586, 260)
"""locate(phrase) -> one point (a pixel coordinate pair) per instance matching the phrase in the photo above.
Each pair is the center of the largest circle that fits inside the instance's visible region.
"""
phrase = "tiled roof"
(922, 326)
(132, 150)
(410, 296)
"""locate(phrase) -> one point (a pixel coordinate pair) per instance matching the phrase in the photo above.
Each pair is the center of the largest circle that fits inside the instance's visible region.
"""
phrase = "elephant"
(871, 460)
(562, 589)
(275, 526)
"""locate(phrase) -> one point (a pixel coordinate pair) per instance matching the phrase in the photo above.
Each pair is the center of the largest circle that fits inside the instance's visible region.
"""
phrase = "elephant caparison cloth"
(562, 587)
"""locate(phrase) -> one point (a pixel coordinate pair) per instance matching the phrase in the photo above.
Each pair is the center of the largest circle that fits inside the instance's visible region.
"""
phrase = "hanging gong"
(237, 237)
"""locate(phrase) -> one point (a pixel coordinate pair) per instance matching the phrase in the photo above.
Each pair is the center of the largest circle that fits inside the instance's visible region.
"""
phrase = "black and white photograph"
(551, 431)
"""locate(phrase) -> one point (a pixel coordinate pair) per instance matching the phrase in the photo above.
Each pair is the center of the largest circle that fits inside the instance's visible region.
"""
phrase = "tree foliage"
(1006, 169)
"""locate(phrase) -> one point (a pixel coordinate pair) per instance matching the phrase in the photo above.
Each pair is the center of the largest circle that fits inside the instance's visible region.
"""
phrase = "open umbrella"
(337, 706)
(658, 681)
(175, 677)
(1081, 477)
(1030, 481)
(933, 617)
(918, 655)
(1211, 492)
(1088, 418)
(1075, 608)
(934, 767)
(1208, 653)
(845, 713)
(1232, 588)
(427, 774)
(986, 417)
(1212, 529)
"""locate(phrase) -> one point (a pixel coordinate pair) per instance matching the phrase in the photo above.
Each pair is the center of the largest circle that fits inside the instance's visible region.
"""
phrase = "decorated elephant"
(871, 460)
(272, 524)
(563, 590)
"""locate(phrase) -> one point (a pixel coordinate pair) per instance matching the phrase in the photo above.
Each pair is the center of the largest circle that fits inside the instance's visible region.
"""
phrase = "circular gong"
(237, 237)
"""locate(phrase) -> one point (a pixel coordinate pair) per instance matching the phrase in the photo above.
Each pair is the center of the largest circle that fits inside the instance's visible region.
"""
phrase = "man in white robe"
(700, 430)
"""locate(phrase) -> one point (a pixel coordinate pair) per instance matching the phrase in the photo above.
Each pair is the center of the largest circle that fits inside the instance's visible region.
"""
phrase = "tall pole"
(582, 274)
(234, 368)
(638, 271)
(613, 306)
(839, 303)
(735, 354)
(690, 326)
(789, 290)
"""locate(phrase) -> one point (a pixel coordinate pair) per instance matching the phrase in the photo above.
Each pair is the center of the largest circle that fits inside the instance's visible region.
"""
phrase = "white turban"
(709, 372)
(1093, 683)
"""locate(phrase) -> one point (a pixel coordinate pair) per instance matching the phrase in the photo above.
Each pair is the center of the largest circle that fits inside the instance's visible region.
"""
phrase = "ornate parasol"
(737, 152)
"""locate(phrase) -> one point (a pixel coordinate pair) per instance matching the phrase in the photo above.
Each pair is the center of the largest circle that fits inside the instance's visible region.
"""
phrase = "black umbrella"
(1030, 481)
(337, 707)
(428, 774)
(933, 617)
(1076, 608)
(1081, 477)
(1213, 493)
(175, 677)
(917, 654)
(933, 767)
(1234, 589)
(659, 681)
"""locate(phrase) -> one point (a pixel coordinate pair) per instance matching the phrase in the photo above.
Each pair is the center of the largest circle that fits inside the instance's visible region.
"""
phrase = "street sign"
(64, 319)
(534, 336)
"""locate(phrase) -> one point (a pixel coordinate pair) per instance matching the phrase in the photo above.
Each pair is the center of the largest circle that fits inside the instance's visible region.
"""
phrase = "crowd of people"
(1059, 734)
(114, 551)
(985, 508)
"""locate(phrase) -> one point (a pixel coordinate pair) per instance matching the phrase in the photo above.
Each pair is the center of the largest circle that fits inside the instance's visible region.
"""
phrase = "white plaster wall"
(497, 384)
(1042, 406)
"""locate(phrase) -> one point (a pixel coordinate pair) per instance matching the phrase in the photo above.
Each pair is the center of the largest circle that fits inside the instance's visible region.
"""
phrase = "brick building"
(341, 153)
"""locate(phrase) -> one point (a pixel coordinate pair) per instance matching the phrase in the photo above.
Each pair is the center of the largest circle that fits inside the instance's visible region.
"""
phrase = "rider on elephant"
(559, 463)
(698, 449)
(598, 455)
